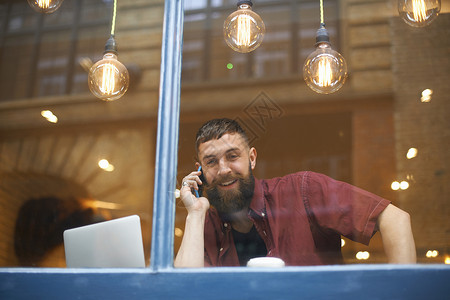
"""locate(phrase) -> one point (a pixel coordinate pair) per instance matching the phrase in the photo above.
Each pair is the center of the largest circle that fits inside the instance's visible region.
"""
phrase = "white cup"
(266, 262)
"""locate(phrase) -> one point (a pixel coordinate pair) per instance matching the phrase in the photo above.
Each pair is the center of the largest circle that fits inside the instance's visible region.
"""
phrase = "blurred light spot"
(177, 193)
(447, 260)
(105, 165)
(432, 253)
(178, 232)
(412, 152)
(342, 243)
(404, 185)
(47, 114)
(426, 95)
(230, 66)
(102, 204)
(395, 185)
(362, 255)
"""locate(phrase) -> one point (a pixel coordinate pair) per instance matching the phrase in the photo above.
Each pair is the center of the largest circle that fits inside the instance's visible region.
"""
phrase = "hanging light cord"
(321, 13)
(113, 23)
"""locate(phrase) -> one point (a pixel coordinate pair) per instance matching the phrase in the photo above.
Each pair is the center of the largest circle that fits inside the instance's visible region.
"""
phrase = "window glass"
(52, 40)
(381, 132)
(67, 158)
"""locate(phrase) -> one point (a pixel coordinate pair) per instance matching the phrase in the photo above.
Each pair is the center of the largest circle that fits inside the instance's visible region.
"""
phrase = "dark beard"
(228, 202)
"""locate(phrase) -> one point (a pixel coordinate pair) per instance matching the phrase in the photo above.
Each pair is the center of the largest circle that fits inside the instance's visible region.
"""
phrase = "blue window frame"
(162, 281)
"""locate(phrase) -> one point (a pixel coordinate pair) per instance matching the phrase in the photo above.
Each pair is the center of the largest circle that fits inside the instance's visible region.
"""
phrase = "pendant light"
(108, 79)
(244, 29)
(419, 13)
(45, 6)
(325, 70)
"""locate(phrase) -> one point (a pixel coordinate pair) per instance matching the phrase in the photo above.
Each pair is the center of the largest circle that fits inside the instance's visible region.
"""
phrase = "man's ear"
(252, 155)
(197, 165)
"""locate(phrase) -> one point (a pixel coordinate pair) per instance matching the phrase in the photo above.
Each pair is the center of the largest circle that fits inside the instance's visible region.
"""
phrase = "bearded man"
(299, 217)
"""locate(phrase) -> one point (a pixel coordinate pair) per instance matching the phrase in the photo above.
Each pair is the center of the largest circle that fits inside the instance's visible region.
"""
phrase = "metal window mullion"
(167, 137)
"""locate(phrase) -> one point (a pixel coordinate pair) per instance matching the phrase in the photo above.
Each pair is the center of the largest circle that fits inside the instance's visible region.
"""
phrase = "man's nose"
(224, 168)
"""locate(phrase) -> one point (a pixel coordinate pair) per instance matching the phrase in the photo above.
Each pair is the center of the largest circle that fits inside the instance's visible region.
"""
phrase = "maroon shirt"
(301, 218)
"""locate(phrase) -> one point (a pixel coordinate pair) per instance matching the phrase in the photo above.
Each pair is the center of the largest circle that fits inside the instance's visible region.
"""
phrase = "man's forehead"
(226, 142)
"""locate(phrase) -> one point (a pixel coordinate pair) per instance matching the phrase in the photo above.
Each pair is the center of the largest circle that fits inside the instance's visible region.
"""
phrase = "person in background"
(38, 238)
(299, 217)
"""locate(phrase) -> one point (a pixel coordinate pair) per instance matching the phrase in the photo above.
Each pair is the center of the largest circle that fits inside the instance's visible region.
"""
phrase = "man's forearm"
(396, 233)
(191, 252)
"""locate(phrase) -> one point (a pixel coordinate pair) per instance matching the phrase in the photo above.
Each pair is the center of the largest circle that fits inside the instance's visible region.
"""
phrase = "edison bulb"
(419, 13)
(108, 78)
(244, 29)
(45, 6)
(325, 70)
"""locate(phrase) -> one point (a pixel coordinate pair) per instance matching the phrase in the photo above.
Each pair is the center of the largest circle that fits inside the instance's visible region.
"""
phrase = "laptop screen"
(111, 244)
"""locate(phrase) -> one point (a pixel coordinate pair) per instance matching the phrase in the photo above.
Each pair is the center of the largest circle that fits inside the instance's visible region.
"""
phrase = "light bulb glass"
(108, 78)
(45, 6)
(419, 13)
(325, 70)
(244, 29)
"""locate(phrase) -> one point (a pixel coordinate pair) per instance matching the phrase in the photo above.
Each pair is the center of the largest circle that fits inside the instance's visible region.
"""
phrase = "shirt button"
(225, 225)
(221, 249)
(263, 214)
(264, 232)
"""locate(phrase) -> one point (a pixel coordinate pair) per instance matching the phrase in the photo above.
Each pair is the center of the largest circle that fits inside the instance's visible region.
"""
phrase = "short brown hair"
(216, 128)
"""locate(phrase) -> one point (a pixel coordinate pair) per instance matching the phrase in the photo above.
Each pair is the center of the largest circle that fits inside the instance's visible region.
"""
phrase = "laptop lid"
(111, 244)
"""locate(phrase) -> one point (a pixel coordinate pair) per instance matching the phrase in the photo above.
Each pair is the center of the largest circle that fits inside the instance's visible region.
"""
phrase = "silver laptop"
(110, 244)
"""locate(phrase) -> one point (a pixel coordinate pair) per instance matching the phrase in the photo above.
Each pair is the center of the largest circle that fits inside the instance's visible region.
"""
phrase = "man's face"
(227, 165)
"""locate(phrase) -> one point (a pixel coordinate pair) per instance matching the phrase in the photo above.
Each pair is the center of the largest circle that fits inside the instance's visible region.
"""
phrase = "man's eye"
(211, 162)
(232, 156)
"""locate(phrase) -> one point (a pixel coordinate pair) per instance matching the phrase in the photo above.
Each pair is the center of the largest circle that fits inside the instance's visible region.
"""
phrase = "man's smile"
(228, 184)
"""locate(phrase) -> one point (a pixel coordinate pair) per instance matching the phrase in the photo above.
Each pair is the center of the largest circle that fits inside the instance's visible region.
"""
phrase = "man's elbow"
(396, 232)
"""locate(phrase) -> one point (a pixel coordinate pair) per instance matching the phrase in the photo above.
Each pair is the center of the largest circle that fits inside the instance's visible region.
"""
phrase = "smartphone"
(198, 193)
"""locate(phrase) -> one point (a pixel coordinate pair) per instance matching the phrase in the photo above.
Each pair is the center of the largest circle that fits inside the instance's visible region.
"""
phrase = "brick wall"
(421, 60)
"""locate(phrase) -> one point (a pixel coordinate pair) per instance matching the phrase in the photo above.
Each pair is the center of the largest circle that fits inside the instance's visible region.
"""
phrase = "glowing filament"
(419, 10)
(325, 73)
(44, 3)
(243, 30)
(108, 79)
